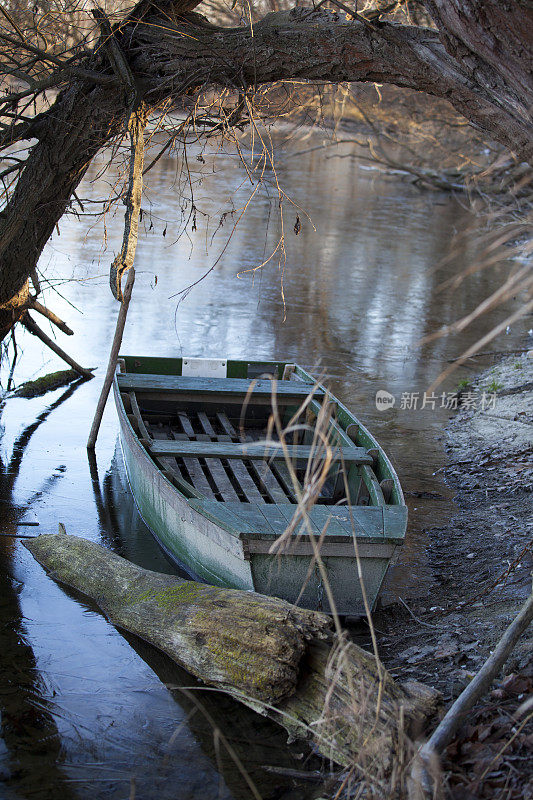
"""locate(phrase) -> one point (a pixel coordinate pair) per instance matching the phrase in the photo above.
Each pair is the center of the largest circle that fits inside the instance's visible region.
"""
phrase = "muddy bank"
(481, 560)
(481, 564)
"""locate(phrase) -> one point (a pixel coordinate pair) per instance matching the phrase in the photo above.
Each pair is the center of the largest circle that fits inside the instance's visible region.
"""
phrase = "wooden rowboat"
(253, 476)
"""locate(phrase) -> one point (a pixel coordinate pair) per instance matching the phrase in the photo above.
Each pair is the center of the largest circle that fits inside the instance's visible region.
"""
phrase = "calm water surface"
(85, 711)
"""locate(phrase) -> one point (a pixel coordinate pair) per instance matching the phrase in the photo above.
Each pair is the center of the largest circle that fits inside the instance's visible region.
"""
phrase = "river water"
(85, 711)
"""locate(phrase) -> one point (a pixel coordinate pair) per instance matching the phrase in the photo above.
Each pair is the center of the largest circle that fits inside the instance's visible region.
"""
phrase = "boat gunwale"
(400, 499)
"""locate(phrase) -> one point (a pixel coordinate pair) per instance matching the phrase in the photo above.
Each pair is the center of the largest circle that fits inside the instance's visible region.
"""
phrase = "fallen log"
(48, 383)
(280, 660)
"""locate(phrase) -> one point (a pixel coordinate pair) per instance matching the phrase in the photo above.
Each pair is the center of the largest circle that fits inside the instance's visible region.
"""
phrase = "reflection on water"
(84, 713)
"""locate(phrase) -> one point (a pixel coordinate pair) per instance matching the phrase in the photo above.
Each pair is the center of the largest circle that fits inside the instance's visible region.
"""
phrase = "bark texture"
(324, 46)
(491, 38)
(276, 658)
(81, 121)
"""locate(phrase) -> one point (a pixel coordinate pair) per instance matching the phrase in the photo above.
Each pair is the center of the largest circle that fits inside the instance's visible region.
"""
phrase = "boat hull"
(204, 548)
(222, 556)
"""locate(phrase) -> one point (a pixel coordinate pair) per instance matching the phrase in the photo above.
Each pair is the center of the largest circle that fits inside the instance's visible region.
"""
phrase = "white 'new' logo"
(384, 400)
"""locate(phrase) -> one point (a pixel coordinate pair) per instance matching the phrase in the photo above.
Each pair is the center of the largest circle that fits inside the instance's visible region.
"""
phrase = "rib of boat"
(252, 475)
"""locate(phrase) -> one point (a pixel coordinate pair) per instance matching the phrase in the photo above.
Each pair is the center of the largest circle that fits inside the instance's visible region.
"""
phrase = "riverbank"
(481, 563)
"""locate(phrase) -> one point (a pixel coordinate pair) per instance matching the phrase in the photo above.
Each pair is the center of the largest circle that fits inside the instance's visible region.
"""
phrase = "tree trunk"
(15, 304)
(81, 121)
(276, 658)
(492, 38)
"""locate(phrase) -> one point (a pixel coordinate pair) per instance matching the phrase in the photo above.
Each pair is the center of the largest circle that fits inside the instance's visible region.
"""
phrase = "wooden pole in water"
(124, 260)
(113, 355)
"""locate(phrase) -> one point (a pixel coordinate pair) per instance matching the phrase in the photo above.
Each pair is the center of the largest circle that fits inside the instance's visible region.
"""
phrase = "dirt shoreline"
(491, 471)
(481, 563)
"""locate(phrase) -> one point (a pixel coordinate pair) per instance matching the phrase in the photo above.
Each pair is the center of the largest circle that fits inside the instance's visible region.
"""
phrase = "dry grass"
(356, 710)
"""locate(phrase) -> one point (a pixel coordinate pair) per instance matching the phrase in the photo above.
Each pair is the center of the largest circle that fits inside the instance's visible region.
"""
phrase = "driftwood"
(280, 660)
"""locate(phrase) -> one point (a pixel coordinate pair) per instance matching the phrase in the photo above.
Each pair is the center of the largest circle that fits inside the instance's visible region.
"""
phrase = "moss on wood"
(47, 383)
(280, 660)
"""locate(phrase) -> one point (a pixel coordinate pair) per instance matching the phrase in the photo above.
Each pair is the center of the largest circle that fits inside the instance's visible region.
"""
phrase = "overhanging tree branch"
(170, 53)
(322, 46)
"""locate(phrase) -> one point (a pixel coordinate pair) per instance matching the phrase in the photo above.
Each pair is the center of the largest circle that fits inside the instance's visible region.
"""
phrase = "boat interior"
(193, 429)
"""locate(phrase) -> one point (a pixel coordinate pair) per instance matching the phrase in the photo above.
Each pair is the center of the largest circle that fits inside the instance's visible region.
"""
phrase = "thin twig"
(425, 624)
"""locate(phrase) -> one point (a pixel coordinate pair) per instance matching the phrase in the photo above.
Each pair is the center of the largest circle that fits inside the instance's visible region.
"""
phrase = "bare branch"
(457, 714)
(32, 303)
(33, 328)
(55, 79)
(29, 129)
(321, 46)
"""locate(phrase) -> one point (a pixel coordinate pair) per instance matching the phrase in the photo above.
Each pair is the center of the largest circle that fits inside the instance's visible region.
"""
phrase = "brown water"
(86, 712)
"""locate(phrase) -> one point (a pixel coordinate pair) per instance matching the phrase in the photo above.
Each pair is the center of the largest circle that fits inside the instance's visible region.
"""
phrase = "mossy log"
(48, 383)
(280, 660)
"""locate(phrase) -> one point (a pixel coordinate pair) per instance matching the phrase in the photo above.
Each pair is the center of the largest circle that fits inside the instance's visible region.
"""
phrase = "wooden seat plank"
(204, 448)
(337, 518)
(276, 519)
(301, 525)
(261, 468)
(394, 522)
(214, 465)
(223, 514)
(363, 520)
(271, 521)
(212, 386)
(260, 520)
(257, 521)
